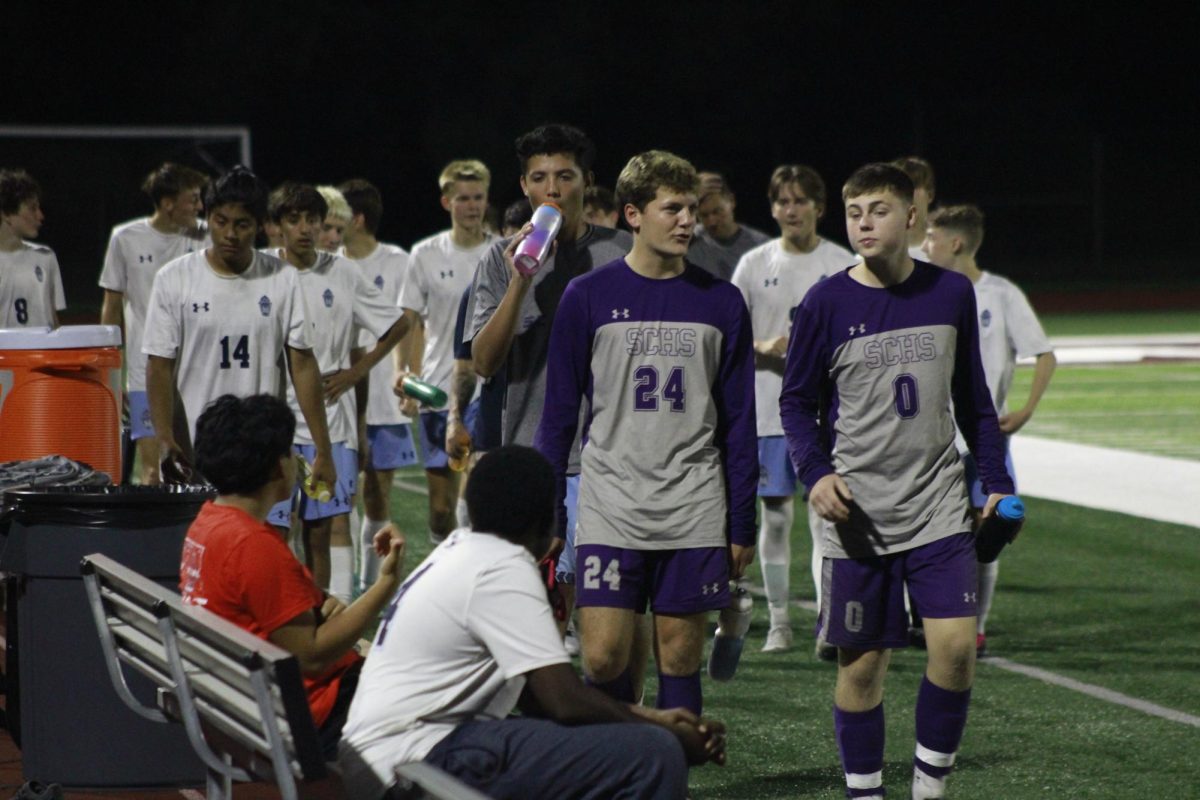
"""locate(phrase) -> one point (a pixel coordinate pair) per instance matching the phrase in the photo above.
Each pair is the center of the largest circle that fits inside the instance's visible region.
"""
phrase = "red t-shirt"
(240, 569)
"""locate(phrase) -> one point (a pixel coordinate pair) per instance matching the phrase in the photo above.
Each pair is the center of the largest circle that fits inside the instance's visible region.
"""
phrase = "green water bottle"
(424, 393)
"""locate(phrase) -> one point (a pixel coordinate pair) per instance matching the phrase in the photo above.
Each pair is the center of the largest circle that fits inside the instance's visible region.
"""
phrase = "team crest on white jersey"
(328, 298)
(379, 281)
(985, 319)
(264, 305)
(37, 270)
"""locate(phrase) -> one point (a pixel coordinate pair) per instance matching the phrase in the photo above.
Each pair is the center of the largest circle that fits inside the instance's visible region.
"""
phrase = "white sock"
(340, 563)
(355, 522)
(368, 572)
(987, 590)
(817, 560)
(460, 511)
(775, 551)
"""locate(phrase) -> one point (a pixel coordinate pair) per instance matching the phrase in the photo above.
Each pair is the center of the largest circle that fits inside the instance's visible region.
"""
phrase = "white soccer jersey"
(30, 287)
(385, 268)
(438, 274)
(1008, 330)
(467, 625)
(773, 282)
(339, 300)
(227, 333)
(136, 252)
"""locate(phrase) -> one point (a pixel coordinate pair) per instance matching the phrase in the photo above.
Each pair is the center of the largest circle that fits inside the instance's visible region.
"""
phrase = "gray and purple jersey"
(670, 450)
(867, 391)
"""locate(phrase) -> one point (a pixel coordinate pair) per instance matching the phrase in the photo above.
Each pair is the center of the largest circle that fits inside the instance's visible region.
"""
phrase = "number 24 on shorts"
(592, 576)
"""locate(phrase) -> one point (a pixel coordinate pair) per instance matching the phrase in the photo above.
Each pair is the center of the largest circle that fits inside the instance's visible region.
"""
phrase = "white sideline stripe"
(1099, 692)
(409, 486)
(1154, 487)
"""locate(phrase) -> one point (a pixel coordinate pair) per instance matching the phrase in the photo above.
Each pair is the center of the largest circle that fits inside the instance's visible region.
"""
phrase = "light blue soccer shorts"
(776, 476)
(345, 461)
(140, 426)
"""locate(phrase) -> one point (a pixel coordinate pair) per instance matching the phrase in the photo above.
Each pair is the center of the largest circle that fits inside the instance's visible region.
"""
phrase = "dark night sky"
(1075, 130)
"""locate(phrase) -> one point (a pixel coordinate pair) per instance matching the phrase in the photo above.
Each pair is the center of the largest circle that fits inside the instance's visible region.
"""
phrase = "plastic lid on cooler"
(66, 337)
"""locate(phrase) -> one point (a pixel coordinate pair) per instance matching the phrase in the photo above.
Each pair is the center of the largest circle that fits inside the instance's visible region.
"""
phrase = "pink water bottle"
(535, 248)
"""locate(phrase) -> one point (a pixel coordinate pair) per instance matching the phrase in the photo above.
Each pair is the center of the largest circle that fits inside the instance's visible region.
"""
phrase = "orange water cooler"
(60, 394)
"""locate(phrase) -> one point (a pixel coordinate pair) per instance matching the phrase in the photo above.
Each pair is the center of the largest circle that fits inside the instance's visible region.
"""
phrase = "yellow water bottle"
(317, 490)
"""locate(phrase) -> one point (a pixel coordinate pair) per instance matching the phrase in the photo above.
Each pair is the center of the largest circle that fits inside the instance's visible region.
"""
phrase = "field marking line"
(1054, 679)
(1092, 690)
(409, 486)
(1143, 485)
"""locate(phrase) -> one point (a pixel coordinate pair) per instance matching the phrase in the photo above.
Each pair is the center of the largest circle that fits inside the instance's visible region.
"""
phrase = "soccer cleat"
(571, 641)
(980, 645)
(927, 787)
(779, 638)
(824, 650)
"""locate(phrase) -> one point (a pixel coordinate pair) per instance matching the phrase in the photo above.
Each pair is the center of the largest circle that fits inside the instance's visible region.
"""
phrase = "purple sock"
(860, 737)
(941, 718)
(619, 688)
(675, 691)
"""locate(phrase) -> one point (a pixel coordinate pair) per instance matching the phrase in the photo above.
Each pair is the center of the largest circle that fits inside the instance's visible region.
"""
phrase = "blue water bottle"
(999, 529)
(732, 625)
(534, 249)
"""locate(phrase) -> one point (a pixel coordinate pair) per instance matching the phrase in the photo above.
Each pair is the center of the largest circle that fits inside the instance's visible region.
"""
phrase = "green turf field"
(1115, 323)
(1102, 598)
(1151, 408)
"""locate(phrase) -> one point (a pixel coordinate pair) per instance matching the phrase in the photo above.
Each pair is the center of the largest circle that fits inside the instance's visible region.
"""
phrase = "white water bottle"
(534, 249)
(732, 625)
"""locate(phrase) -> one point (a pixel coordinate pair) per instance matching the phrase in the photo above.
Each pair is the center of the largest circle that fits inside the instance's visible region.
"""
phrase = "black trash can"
(70, 724)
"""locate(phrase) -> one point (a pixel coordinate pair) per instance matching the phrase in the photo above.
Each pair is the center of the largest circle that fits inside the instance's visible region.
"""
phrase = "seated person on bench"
(468, 633)
(239, 567)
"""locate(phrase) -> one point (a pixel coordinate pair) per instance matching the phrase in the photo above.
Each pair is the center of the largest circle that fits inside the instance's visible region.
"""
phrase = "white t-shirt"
(30, 287)
(467, 625)
(438, 274)
(1008, 330)
(385, 268)
(339, 300)
(773, 282)
(228, 334)
(136, 252)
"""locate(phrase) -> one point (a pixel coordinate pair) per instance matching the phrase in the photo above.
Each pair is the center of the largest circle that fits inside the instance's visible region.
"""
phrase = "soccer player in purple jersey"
(662, 352)
(878, 354)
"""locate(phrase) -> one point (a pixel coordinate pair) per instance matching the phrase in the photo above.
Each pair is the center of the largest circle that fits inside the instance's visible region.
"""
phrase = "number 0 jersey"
(867, 391)
(227, 333)
(670, 457)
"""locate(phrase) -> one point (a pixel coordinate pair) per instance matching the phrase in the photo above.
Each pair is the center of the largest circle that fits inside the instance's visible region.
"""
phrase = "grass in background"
(1151, 408)
(1104, 598)
(1122, 323)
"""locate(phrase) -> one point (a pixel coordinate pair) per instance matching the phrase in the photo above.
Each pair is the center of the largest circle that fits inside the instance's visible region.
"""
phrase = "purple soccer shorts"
(862, 604)
(689, 581)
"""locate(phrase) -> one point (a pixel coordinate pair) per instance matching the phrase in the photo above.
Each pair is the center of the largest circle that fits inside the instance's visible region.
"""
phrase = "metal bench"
(240, 698)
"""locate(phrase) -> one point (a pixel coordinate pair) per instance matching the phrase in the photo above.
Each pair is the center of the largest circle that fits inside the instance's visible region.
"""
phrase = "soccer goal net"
(91, 177)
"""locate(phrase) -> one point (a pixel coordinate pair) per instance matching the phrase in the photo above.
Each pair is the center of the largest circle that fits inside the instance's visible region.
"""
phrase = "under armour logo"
(710, 588)
(770, 281)
(861, 328)
(145, 259)
(197, 306)
(447, 274)
(969, 597)
(620, 313)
